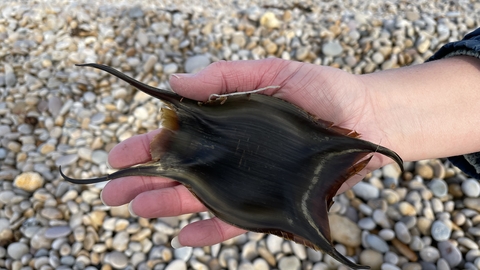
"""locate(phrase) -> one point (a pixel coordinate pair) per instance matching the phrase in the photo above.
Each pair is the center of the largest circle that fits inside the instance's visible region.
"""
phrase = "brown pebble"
(264, 253)
(424, 170)
(455, 190)
(405, 250)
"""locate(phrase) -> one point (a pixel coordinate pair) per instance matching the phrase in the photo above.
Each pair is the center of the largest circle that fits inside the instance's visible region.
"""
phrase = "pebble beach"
(53, 114)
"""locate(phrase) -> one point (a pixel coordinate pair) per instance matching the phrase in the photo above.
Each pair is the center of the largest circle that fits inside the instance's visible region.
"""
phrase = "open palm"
(329, 94)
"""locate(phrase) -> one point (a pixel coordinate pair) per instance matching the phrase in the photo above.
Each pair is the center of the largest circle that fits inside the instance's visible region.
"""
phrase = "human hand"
(328, 93)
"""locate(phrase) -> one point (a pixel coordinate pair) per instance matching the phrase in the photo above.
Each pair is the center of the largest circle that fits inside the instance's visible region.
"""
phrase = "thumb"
(230, 76)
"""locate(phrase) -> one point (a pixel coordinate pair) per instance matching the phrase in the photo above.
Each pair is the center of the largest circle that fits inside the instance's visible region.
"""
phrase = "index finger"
(132, 151)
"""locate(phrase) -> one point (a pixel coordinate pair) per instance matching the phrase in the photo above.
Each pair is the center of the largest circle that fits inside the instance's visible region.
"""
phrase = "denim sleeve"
(469, 45)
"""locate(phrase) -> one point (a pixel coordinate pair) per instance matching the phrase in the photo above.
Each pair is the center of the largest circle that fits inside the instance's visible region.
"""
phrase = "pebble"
(117, 260)
(289, 262)
(377, 243)
(332, 48)
(196, 63)
(440, 230)
(429, 254)
(29, 181)
(176, 265)
(438, 187)
(57, 232)
(17, 250)
(450, 253)
(471, 188)
(346, 232)
(71, 116)
(366, 191)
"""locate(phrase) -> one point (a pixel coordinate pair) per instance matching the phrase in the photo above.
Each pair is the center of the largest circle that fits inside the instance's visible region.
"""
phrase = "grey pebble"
(10, 78)
(366, 191)
(367, 223)
(54, 105)
(196, 63)
(389, 266)
(450, 253)
(386, 234)
(99, 157)
(89, 97)
(402, 232)
(471, 188)
(117, 260)
(314, 255)
(170, 68)
(332, 48)
(438, 187)
(97, 118)
(17, 250)
(57, 232)
(66, 160)
(377, 243)
(429, 254)
(440, 231)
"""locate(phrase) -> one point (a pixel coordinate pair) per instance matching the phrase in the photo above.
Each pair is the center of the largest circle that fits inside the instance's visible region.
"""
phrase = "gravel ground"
(53, 113)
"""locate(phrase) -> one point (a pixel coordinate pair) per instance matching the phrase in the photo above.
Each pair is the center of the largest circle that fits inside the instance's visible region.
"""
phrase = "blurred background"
(55, 114)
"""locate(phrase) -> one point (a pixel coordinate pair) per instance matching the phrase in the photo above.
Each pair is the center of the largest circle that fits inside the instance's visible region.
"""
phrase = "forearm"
(429, 110)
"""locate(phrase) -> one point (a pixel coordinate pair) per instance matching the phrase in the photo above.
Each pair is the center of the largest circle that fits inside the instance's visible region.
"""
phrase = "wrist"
(428, 110)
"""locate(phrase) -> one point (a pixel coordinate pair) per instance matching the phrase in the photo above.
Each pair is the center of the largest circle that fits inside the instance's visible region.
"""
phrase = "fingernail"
(175, 243)
(101, 198)
(130, 209)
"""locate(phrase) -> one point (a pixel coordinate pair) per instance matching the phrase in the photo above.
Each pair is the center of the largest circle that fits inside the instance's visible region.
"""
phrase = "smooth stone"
(450, 252)
(99, 157)
(372, 258)
(389, 266)
(407, 209)
(66, 160)
(367, 223)
(438, 187)
(345, 231)
(10, 78)
(381, 219)
(386, 234)
(472, 203)
(150, 63)
(366, 191)
(57, 232)
(429, 254)
(170, 68)
(89, 97)
(17, 250)
(249, 251)
(54, 105)
(120, 241)
(314, 255)
(183, 253)
(196, 63)
(29, 181)
(269, 20)
(274, 243)
(98, 118)
(471, 188)
(176, 265)
(289, 263)
(402, 232)
(117, 260)
(332, 48)
(378, 58)
(441, 231)
(299, 250)
(141, 113)
(377, 243)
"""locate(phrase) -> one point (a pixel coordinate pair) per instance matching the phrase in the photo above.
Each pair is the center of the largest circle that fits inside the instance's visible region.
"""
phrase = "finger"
(132, 151)
(166, 202)
(225, 77)
(207, 232)
(124, 190)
